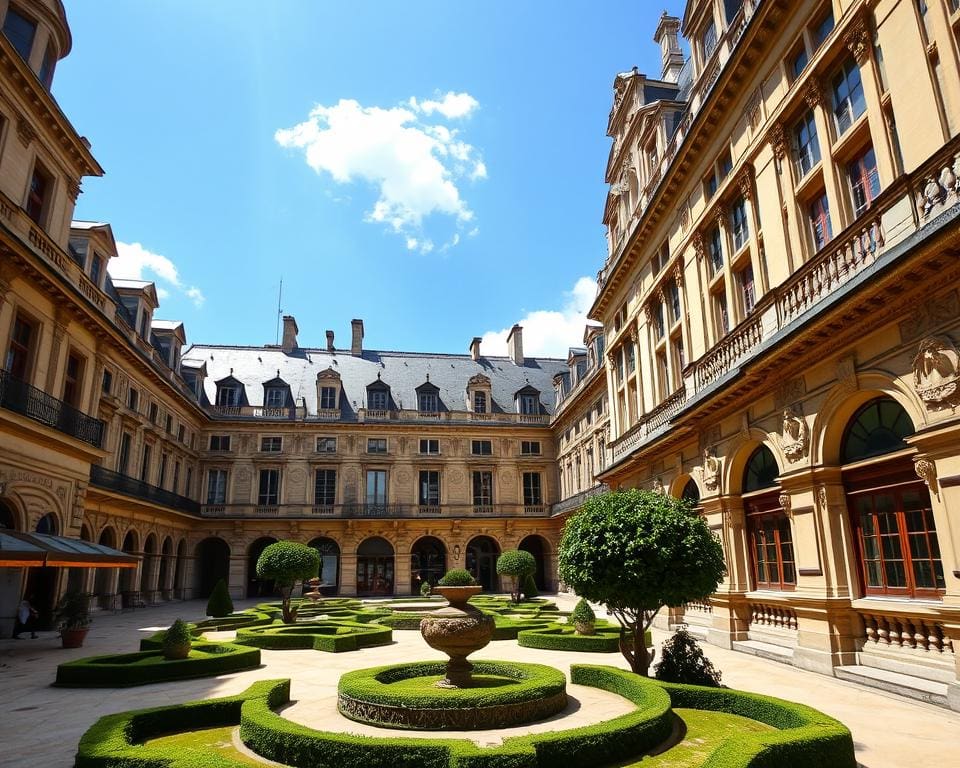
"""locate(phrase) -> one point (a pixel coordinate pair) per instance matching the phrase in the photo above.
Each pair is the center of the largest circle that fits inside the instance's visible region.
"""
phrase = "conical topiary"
(220, 604)
(529, 589)
(583, 618)
(177, 641)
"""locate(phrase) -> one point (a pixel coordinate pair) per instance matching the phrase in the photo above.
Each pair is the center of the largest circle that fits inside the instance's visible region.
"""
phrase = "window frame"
(271, 496)
(863, 178)
(428, 488)
(325, 491)
(327, 443)
(377, 445)
(216, 493)
(527, 448)
(220, 443)
(432, 446)
(22, 351)
(477, 447)
(271, 444)
(532, 489)
(328, 398)
(766, 509)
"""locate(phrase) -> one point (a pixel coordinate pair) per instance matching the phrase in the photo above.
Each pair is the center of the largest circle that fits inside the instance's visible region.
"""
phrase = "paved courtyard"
(41, 725)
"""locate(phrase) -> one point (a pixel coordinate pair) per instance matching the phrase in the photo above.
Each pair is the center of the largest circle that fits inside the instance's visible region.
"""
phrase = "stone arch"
(179, 569)
(683, 485)
(740, 453)
(48, 523)
(105, 579)
(128, 576)
(376, 557)
(11, 515)
(329, 550)
(257, 587)
(542, 551)
(481, 555)
(830, 424)
(148, 569)
(428, 561)
(163, 572)
(212, 563)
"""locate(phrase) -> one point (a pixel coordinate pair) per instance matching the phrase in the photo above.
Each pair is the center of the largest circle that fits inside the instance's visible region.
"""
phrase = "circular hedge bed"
(563, 637)
(504, 694)
(330, 636)
(128, 669)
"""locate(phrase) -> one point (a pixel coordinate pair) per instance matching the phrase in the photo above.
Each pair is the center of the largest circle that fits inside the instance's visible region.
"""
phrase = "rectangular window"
(96, 269)
(620, 368)
(38, 196)
(715, 249)
(798, 61)
(176, 477)
(162, 479)
(269, 492)
(483, 489)
(739, 225)
(20, 352)
(710, 185)
(771, 543)
(46, 67)
(864, 181)
(106, 385)
(376, 487)
(674, 292)
(806, 145)
(479, 402)
(219, 442)
(325, 488)
(748, 298)
(181, 433)
(20, 31)
(145, 464)
(275, 397)
(326, 445)
(481, 447)
(154, 412)
(631, 357)
(328, 398)
(429, 488)
(663, 374)
(820, 226)
(722, 314)
(529, 447)
(123, 457)
(679, 358)
(427, 402)
(377, 445)
(823, 28)
(532, 494)
(73, 380)
(217, 486)
(228, 397)
(377, 399)
(529, 404)
(271, 444)
(133, 399)
(848, 99)
(709, 41)
(430, 446)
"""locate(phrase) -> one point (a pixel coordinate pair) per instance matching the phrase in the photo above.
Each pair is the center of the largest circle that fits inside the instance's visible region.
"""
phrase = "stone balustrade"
(919, 633)
(766, 616)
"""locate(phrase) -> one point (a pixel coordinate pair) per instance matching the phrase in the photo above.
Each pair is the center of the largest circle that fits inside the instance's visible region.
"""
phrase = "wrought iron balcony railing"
(20, 397)
(109, 480)
(358, 510)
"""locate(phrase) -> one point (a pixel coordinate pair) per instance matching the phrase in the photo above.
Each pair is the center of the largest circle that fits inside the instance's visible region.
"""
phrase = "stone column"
(401, 573)
(730, 613)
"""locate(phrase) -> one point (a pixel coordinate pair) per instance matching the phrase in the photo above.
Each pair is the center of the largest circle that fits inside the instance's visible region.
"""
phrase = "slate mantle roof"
(403, 372)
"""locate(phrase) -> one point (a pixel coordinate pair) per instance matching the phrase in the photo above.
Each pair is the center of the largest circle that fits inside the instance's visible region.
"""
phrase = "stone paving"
(41, 725)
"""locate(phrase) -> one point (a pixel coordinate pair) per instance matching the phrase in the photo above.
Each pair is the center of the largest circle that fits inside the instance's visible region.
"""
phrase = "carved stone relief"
(794, 435)
(936, 371)
(927, 471)
(711, 470)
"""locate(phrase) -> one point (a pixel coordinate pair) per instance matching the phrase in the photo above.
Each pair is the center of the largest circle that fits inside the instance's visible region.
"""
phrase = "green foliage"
(563, 637)
(683, 661)
(457, 577)
(583, 613)
(516, 564)
(128, 669)
(73, 612)
(529, 587)
(220, 604)
(177, 641)
(636, 551)
(285, 563)
(426, 589)
(329, 636)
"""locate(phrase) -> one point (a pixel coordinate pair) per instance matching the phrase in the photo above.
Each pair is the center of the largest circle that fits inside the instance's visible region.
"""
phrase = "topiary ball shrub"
(682, 661)
(583, 618)
(177, 641)
(425, 589)
(285, 563)
(220, 604)
(458, 577)
(516, 564)
(529, 589)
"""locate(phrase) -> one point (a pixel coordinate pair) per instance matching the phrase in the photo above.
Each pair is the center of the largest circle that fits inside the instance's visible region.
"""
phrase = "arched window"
(691, 492)
(877, 428)
(761, 471)
(48, 524)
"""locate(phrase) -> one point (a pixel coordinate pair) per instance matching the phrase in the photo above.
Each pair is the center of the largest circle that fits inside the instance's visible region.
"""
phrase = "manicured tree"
(285, 563)
(458, 577)
(529, 588)
(516, 564)
(177, 641)
(583, 618)
(220, 604)
(683, 661)
(634, 552)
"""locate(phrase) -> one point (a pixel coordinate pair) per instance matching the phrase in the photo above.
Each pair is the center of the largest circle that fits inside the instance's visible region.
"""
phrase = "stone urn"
(458, 630)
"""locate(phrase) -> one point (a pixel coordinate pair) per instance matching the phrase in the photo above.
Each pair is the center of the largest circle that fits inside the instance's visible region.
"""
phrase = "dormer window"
(328, 398)
(479, 394)
(479, 402)
(274, 397)
(529, 404)
(96, 269)
(377, 399)
(427, 402)
(709, 40)
(20, 31)
(228, 395)
(328, 391)
(39, 193)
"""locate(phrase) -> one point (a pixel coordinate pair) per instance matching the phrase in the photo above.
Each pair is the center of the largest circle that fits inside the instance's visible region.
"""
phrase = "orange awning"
(29, 550)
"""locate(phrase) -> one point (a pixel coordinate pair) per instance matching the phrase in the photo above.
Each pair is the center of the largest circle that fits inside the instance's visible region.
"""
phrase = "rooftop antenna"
(279, 311)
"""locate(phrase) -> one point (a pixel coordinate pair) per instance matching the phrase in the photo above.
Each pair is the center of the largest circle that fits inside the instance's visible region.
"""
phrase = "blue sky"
(433, 168)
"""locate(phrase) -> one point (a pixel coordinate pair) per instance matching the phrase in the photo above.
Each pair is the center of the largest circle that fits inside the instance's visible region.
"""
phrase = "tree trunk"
(634, 649)
(289, 617)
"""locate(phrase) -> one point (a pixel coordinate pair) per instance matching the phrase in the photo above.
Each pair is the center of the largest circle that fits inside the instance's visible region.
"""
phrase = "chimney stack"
(330, 347)
(515, 345)
(667, 37)
(356, 343)
(475, 348)
(290, 331)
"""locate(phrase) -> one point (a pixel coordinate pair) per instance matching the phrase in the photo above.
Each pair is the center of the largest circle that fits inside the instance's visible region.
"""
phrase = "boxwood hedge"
(330, 636)
(128, 669)
(563, 637)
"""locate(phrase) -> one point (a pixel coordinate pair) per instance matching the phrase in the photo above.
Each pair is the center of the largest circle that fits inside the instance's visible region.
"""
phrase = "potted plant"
(73, 618)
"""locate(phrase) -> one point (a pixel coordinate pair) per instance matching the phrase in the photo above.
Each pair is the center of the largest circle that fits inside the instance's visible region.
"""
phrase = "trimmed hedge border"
(123, 670)
(329, 636)
(563, 637)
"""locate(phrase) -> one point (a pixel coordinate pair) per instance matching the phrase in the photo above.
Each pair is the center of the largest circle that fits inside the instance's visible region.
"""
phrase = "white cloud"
(452, 106)
(414, 163)
(134, 262)
(550, 332)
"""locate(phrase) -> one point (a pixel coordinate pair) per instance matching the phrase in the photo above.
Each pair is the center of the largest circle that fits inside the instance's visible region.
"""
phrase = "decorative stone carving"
(822, 498)
(940, 189)
(753, 110)
(846, 372)
(25, 131)
(857, 39)
(794, 435)
(927, 471)
(678, 275)
(699, 247)
(936, 370)
(745, 181)
(813, 93)
(73, 189)
(778, 141)
(711, 470)
(657, 486)
(786, 503)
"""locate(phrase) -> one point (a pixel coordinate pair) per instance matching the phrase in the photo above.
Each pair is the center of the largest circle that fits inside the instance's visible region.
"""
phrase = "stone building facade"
(781, 315)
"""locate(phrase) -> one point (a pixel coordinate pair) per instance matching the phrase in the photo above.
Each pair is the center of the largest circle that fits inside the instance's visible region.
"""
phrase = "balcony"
(101, 477)
(576, 501)
(256, 412)
(372, 511)
(20, 397)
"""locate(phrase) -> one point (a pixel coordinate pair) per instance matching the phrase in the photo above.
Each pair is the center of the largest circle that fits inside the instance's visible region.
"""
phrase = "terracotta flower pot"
(458, 630)
(73, 638)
